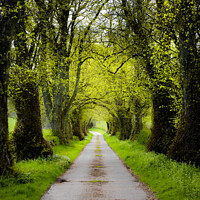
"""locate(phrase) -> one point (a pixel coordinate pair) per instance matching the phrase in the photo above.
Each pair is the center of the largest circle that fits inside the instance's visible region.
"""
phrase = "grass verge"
(35, 176)
(169, 179)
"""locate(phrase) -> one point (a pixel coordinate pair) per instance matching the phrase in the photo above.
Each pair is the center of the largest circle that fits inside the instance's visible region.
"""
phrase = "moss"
(27, 137)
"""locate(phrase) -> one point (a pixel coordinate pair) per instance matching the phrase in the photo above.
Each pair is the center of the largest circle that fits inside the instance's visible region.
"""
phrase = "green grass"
(169, 179)
(11, 124)
(35, 176)
(73, 149)
(99, 130)
(47, 134)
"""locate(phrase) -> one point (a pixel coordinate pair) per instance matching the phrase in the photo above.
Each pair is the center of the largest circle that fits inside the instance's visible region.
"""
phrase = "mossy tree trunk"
(125, 122)
(76, 125)
(125, 128)
(88, 125)
(6, 31)
(186, 144)
(5, 156)
(164, 115)
(163, 120)
(137, 119)
(85, 128)
(114, 126)
(27, 136)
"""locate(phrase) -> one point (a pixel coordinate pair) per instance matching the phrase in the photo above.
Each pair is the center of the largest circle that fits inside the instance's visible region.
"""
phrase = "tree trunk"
(5, 155)
(163, 130)
(186, 144)
(108, 127)
(76, 130)
(7, 22)
(137, 120)
(76, 125)
(94, 122)
(81, 128)
(27, 136)
(85, 128)
(125, 124)
(70, 130)
(163, 122)
(126, 127)
(114, 126)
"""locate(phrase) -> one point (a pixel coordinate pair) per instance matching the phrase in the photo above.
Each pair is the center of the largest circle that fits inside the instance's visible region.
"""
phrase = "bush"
(144, 136)
(53, 140)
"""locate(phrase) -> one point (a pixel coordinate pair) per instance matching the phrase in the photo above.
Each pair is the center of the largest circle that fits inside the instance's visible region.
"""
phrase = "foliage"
(143, 136)
(11, 124)
(53, 140)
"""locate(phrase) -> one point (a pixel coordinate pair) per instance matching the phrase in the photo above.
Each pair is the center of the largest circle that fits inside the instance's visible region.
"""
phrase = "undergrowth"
(53, 140)
(33, 177)
(169, 179)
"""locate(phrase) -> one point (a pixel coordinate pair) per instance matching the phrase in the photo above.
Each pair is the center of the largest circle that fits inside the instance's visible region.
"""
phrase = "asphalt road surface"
(97, 174)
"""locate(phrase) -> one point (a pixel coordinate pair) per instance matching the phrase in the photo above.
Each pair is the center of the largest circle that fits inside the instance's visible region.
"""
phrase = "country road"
(97, 174)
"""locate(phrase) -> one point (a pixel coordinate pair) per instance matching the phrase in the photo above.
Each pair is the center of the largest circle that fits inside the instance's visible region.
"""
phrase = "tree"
(7, 23)
(70, 42)
(124, 85)
(27, 136)
(186, 29)
(136, 16)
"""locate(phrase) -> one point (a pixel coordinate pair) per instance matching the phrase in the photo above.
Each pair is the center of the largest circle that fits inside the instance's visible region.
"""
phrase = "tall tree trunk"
(85, 128)
(114, 126)
(77, 131)
(108, 127)
(70, 130)
(137, 119)
(7, 27)
(163, 124)
(27, 136)
(60, 127)
(5, 156)
(126, 128)
(81, 128)
(125, 124)
(87, 125)
(76, 125)
(186, 144)
(163, 129)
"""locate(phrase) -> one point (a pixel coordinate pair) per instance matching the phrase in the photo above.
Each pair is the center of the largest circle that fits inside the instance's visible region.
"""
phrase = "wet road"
(97, 174)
